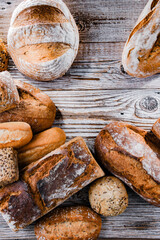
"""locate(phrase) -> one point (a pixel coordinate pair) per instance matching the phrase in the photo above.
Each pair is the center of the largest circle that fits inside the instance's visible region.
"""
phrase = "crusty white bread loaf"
(9, 97)
(48, 182)
(15, 134)
(9, 172)
(141, 53)
(40, 145)
(43, 38)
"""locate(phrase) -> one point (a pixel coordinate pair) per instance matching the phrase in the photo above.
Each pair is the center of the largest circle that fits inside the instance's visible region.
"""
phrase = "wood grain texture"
(96, 91)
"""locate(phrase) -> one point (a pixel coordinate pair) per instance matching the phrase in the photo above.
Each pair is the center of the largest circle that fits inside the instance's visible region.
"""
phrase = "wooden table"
(96, 91)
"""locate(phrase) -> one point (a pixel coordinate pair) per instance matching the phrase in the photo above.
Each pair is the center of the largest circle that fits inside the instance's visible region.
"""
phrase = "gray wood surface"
(96, 91)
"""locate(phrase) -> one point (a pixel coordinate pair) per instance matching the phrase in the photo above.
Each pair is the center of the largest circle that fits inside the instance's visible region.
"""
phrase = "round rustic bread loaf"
(108, 196)
(43, 39)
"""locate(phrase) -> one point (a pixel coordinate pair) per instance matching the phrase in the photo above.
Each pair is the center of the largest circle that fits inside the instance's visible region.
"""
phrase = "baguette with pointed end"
(141, 54)
(34, 108)
(9, 172)
(129, 153)
(43, 39)
(41, 144)
(15, 134)
(9, 97)
(78, 223)
(51, 180)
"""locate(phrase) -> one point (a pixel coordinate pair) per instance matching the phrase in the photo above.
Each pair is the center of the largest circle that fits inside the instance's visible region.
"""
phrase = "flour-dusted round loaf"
(43, 39)
(141, 53)
(108, 196)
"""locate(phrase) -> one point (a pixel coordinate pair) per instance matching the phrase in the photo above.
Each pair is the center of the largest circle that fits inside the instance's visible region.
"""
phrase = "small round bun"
(3, 57)
(108, 196)
(43, 39)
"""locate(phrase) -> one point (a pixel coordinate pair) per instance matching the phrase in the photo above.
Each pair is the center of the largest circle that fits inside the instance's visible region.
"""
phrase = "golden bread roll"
(141, 53)
(41, 144)
(14, 134)
(43, 39)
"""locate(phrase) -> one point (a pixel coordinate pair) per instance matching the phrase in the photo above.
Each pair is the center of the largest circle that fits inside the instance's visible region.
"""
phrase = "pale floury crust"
(141, 54)
(31, 42)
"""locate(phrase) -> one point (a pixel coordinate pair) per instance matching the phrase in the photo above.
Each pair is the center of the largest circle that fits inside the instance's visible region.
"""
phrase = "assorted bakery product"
(9, 172)
(108, 196)
(3, 57)
(141, 53)
(41, 144)
(48, 182)
(34, 108)
(78, 222)
(15, 134)
(9, 97)
(131, 154)
(43, 39)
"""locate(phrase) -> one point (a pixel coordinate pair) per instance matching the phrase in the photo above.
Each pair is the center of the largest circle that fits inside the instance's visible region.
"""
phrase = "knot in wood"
(81, 25)
(149, 104)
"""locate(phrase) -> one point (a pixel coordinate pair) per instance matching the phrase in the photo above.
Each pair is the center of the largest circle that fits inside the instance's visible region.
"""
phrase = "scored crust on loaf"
(141, 53)
(9, 172)
(9, 97)
(43, 38)
(128, 154)
(77, 222)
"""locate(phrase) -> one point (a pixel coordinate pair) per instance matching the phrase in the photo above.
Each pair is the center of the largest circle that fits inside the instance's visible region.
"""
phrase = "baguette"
(34, 108)
(41, 144)
(48, 182)
(15, 134)
(78, 222)
(130, 154)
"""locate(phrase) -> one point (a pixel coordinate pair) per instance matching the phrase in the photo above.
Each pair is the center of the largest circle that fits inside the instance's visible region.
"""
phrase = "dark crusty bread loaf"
(34, 108)
(51, 180)
(131, 154)
(78, 223)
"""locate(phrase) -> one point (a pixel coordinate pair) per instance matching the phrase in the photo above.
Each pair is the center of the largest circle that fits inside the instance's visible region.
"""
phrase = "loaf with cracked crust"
(9, 172)
(49, 182)
(9, 97)
(40, 145)
(3, 57)
(34, 108)
(131, 154)
(43, 39)
(141, 53)
(77, 222)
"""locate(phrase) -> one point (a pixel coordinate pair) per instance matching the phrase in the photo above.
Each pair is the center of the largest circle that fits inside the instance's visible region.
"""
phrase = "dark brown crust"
(67, 220)
(127, 166)
(50, 181)
(35, 108)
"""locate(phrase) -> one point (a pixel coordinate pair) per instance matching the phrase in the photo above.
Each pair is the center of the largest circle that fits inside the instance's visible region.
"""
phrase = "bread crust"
(78, 223)
(43, 39)
(15, 134)
(41, 144)
(34, 108)
(130, 154)
(141, 53)
(50, 181)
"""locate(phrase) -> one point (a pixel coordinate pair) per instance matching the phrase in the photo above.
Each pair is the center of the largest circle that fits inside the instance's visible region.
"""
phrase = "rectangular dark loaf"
(47, 183)
(133, 155)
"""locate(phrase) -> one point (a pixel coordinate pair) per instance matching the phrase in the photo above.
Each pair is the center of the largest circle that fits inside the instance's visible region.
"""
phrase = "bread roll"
(49, 182)
(108, 196)
(3, 57)
(40, 145)
(34, 108)
(43, 39)
(76, 223)
(130, 154)
(140, 56)
(9, 172)
(9, 97)
(14, 134)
